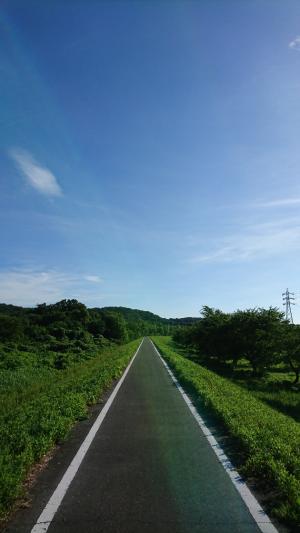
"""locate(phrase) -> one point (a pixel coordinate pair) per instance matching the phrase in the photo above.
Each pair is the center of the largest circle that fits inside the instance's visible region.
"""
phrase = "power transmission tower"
(287, 302)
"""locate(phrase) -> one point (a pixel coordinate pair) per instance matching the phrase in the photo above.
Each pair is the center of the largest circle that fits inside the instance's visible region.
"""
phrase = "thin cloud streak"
(256, 242)
(279, 203)
(40, 178)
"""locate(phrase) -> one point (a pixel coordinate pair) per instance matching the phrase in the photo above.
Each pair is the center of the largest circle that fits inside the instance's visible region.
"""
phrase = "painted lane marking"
(47, 515)
(261, 518)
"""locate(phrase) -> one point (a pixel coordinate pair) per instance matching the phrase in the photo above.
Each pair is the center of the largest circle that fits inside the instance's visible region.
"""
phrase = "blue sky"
(150, 153)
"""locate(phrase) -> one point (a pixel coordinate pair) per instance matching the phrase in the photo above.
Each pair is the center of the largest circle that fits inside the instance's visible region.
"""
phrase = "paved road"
(149, 468)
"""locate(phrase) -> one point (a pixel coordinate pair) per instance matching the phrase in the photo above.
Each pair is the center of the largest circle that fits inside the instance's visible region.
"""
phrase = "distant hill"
(128, 313)
(9, 309)
(137, 314)
(186, 321)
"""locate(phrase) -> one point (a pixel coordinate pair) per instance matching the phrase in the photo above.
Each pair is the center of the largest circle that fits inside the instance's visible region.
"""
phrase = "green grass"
(268, 441)
(38, 406)
(275, 388)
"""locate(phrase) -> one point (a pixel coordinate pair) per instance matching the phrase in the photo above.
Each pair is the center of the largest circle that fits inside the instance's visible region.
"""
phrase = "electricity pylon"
(287, 302)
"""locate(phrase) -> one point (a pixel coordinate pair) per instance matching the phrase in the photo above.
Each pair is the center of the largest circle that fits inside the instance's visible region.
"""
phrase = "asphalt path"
(149, 468)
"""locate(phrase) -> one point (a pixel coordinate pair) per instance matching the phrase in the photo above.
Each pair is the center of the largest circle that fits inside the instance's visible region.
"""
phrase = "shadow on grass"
(276, 393)
(291, 410)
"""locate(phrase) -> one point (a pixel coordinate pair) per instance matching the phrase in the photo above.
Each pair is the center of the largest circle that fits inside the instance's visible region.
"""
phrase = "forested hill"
(128, 313)
(135, 314)
(131, 315)
(144, 322)
(57, 335)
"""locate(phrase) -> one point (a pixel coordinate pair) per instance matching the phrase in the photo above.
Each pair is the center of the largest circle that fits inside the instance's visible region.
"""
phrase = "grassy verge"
(269, 440)
(39, 406)
(275, 388)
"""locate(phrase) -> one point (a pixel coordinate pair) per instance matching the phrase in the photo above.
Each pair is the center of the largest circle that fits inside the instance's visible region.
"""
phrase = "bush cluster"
(260, 336)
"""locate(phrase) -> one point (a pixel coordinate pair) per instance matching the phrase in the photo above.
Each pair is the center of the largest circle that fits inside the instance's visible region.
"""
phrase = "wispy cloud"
(93, 279)
(260, 241)
(283, 202)
(28, 287)
(295, 44)
(40, 178)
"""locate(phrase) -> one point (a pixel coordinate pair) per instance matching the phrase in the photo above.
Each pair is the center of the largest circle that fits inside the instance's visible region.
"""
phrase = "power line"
(287, 299)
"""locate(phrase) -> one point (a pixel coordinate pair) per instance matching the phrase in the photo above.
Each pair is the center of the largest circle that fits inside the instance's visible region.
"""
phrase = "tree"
(115, 327)
(210, 334)
(96, 325)
(11, 328)
(292, 348)
(260, 336)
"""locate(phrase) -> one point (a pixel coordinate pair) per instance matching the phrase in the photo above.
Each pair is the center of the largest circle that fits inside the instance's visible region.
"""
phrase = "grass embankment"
(39, 406)
(268, 440)
(275, 388)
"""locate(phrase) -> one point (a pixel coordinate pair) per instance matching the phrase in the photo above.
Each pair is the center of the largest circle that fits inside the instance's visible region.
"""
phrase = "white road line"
(53, 504)
(261, 518)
